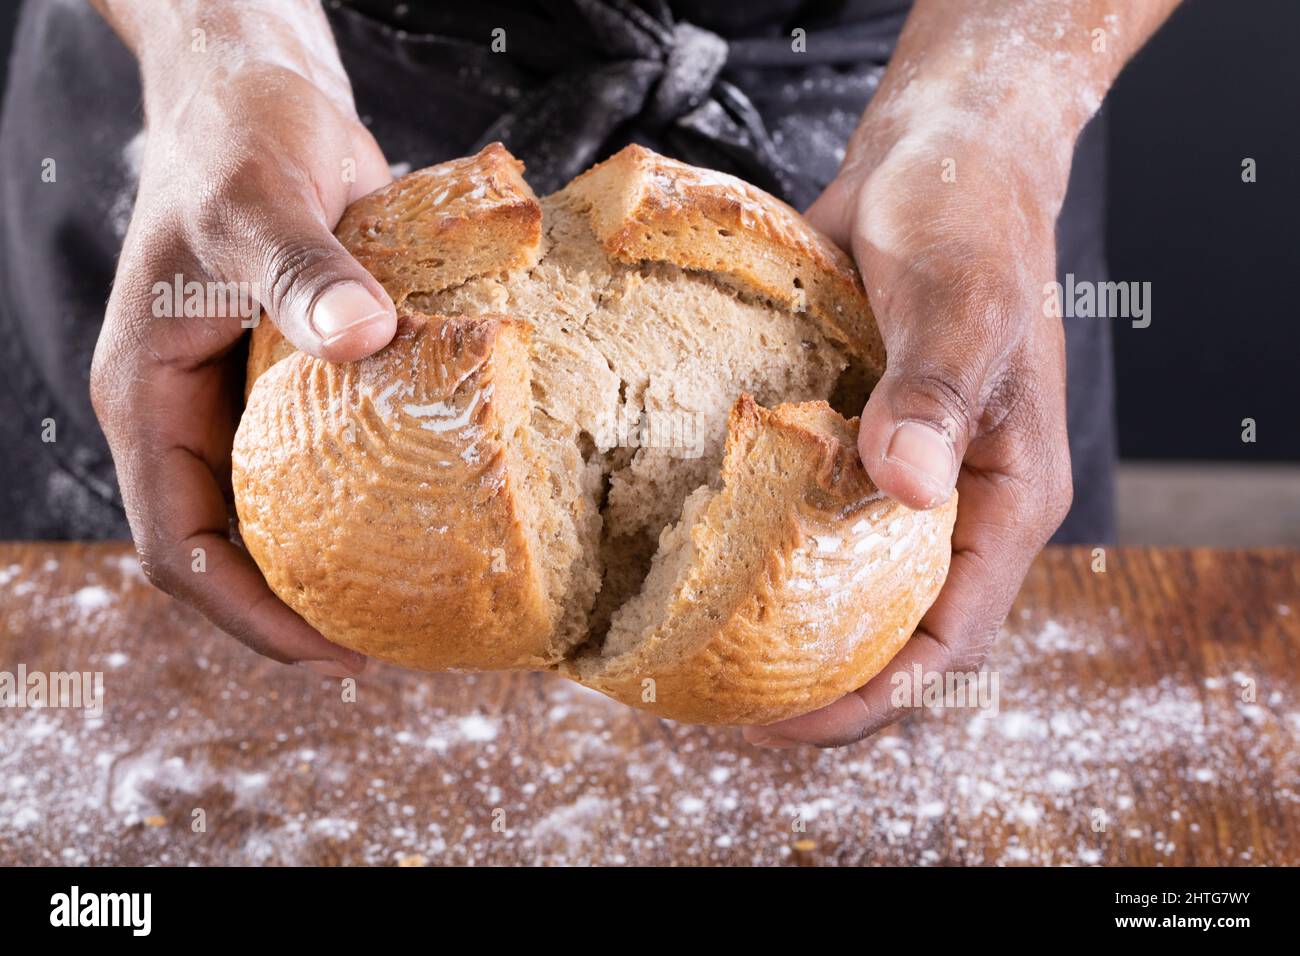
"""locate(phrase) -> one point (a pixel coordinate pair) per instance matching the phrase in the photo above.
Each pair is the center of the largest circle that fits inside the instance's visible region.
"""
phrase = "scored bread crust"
(647, 207)
(801, 581)
(430, 230)
(437, 227)
(479, 216)
(421, 507)
(386, 501)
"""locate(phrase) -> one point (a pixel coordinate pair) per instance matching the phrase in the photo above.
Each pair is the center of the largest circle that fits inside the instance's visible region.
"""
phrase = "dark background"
(1220, 83)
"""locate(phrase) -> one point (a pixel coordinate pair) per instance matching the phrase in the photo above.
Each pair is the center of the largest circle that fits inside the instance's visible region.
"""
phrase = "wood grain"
(1147, 715)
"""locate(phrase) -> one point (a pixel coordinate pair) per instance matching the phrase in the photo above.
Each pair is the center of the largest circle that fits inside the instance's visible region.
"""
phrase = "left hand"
(974, 392)
(948, 200)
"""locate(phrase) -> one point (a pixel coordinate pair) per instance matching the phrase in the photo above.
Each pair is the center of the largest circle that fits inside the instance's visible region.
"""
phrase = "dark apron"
(712, 82)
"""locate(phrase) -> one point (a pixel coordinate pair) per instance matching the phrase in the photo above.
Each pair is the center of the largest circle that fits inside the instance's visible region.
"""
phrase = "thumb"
(318, 295)
(275, 240)
(919, 420)
(914, 429)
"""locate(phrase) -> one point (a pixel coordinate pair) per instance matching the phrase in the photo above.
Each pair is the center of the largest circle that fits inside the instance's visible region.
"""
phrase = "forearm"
(182, 40)
(1012, 75)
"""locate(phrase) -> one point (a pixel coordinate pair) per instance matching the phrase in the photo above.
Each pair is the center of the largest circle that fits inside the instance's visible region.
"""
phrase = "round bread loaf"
(606, 440)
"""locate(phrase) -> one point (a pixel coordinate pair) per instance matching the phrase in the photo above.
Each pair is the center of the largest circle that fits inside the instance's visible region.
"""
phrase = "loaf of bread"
(607, 440)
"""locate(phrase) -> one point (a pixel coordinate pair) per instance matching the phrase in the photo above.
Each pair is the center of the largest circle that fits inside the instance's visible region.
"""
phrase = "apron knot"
(691, 65)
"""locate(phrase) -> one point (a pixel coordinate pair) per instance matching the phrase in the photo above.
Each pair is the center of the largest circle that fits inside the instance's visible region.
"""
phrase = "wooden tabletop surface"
(1149, 714)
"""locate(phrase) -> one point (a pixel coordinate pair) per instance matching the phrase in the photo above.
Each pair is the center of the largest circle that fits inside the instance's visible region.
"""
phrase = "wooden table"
(1147, 715)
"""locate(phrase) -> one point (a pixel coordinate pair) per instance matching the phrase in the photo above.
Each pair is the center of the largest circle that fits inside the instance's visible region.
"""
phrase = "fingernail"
(925, 450)
(342, 309)
(760, 737)
(326, 668)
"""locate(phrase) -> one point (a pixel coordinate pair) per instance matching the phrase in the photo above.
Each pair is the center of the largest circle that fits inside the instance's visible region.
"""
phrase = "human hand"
(252, 154)
(951, 219)
(948, 199)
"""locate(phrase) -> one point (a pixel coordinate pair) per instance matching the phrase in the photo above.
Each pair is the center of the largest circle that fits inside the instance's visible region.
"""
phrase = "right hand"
(245, 172)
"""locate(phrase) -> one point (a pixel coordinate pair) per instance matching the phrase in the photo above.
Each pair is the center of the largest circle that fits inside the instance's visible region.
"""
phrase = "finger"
(185, 551)
(372, 171)
(1013, 493)
(322, 300)
(167, 427)
(830, 213)
(860, 713)
(944, 353)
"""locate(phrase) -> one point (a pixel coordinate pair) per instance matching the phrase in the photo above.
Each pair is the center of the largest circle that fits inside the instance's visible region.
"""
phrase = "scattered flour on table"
(478, 728)
(92, 598)
(423, 770)
(571, 823)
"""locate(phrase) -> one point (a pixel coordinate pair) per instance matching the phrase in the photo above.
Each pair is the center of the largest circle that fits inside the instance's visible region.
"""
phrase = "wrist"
(1000, 79)
(181, 47)
(968, 102)
(960, 118)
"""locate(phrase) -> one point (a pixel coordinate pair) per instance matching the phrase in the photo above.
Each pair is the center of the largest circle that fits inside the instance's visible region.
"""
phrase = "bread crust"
(440, 226)
(430, 230)
(382, 500)
(826, 579)
(644, 206)
(414, 506)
